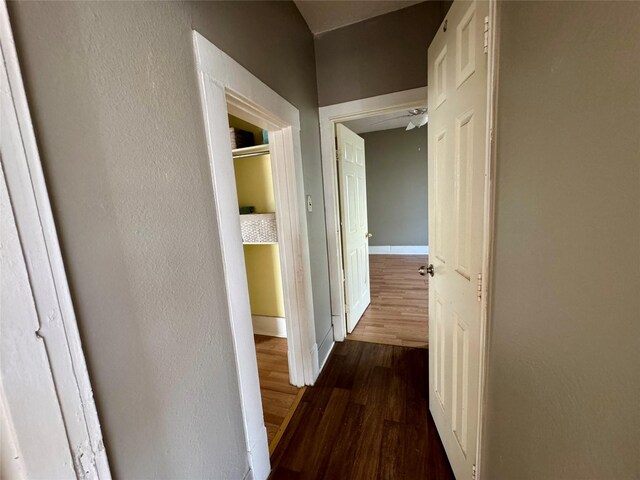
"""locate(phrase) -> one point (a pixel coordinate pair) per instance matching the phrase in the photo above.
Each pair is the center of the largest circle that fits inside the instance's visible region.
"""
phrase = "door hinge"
(486, 34)
(473, 472)
(479, 290)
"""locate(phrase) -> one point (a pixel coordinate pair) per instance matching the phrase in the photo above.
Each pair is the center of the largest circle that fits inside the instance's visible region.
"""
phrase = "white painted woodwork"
(398, 250)
(355, 228)
(329, 117)
(270, 326)
(457, 165)
(50, 426)
(228, 88)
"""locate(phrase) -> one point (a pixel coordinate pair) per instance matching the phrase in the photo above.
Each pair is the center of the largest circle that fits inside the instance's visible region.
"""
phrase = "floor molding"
(325, 349)
(270, 326)
(398, 250)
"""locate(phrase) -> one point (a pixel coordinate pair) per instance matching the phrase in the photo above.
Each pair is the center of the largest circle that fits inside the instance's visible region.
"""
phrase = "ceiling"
(376, 123)
(325, 15)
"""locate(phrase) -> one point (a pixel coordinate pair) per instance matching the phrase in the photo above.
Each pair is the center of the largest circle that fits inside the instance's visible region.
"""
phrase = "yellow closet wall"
(265, 280)
(255, 183)
(255, 188)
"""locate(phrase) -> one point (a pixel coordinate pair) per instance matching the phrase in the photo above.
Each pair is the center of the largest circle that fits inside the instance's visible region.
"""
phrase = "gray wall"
(563, 372)
(381, 55)
(397, 186)
(113, 94)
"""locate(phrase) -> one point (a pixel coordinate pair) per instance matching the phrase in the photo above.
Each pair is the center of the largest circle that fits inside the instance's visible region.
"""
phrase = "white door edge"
(47, 278)
(329, 116)
(489, 219)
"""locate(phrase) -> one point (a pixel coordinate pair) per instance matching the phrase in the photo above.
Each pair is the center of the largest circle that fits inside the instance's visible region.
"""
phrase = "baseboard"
(315, 369)
(325, 350)
(271, 326)
(398, 249)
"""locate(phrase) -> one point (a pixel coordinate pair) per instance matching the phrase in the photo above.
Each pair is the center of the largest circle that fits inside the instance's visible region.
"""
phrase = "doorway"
(385, 112)
(382, 187)
(227, 88)
(256, 207)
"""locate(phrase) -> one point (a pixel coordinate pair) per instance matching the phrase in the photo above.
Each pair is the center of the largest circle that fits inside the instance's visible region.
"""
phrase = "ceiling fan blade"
(422, 120)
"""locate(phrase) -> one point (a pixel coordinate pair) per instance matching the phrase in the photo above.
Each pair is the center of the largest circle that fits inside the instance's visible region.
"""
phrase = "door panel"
(457, 139)
(353, 211)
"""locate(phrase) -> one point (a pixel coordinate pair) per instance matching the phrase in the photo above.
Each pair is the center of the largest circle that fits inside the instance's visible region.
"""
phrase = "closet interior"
(256, 207)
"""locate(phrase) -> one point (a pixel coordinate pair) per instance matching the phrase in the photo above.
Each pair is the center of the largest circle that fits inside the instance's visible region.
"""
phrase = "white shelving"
(253, 151)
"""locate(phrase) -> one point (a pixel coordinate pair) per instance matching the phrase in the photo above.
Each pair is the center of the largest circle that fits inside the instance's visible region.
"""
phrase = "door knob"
(369, 235)
(422, 270)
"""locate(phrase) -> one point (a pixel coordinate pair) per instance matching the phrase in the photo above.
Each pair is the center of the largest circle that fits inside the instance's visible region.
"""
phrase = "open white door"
(355, 233)
(457, 68)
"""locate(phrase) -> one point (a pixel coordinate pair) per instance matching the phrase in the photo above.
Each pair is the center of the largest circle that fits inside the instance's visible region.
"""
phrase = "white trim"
(227, 87)
(270, 326)
(325, 349)
(56, 331)
(398, 250)
(489, 218)
(329, 116)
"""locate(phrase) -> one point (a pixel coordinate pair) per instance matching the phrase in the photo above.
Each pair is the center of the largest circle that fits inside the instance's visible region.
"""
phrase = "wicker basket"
(259, 228)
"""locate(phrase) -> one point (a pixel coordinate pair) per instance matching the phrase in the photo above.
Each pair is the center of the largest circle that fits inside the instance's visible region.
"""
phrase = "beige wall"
(113, 94)
(380, 55)
(397, 186)
(564, 377)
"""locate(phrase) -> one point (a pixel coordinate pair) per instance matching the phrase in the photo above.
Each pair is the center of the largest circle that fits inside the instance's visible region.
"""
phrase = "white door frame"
(329, 116)
(226, 87)
(60, 437)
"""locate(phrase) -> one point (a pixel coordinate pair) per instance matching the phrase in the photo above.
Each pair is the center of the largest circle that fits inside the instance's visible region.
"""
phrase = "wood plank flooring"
(399, 309)
(365, 418)
(279, 397)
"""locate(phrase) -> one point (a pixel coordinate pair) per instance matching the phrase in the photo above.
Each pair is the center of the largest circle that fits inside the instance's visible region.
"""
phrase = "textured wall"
(113, 95)
(381, 55)
(564, 382)
(397, 186)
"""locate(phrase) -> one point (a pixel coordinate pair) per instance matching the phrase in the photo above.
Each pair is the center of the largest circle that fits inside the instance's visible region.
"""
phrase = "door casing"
(329, 117)
(45, 390)
(228, 88)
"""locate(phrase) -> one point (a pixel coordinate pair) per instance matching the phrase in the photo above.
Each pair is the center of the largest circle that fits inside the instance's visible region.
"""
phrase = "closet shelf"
(253, 151)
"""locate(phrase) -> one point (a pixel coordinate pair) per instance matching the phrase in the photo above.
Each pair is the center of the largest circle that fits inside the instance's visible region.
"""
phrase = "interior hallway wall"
(564, 332)
(397, 186)
(113, 93)
(380, 55)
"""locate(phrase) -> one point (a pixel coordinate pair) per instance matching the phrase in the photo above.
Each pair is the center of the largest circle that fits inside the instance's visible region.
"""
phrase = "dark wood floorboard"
(365, 418)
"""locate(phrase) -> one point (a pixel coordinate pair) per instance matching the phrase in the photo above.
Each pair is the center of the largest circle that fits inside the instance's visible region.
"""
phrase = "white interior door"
(457, 139)
(355, 233)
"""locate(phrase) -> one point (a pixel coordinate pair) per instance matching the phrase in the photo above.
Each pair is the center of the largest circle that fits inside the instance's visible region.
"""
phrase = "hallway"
(366, 417)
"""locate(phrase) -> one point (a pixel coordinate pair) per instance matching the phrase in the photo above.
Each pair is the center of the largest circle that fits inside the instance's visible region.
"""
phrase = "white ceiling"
(325, 15)
(387, 121)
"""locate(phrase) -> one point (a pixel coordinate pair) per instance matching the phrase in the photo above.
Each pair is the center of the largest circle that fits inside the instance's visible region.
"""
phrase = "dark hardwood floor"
(365, 418)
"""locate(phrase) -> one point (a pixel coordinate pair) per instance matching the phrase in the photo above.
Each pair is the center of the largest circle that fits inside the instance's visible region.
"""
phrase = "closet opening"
(226, 88)
(257, 210)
